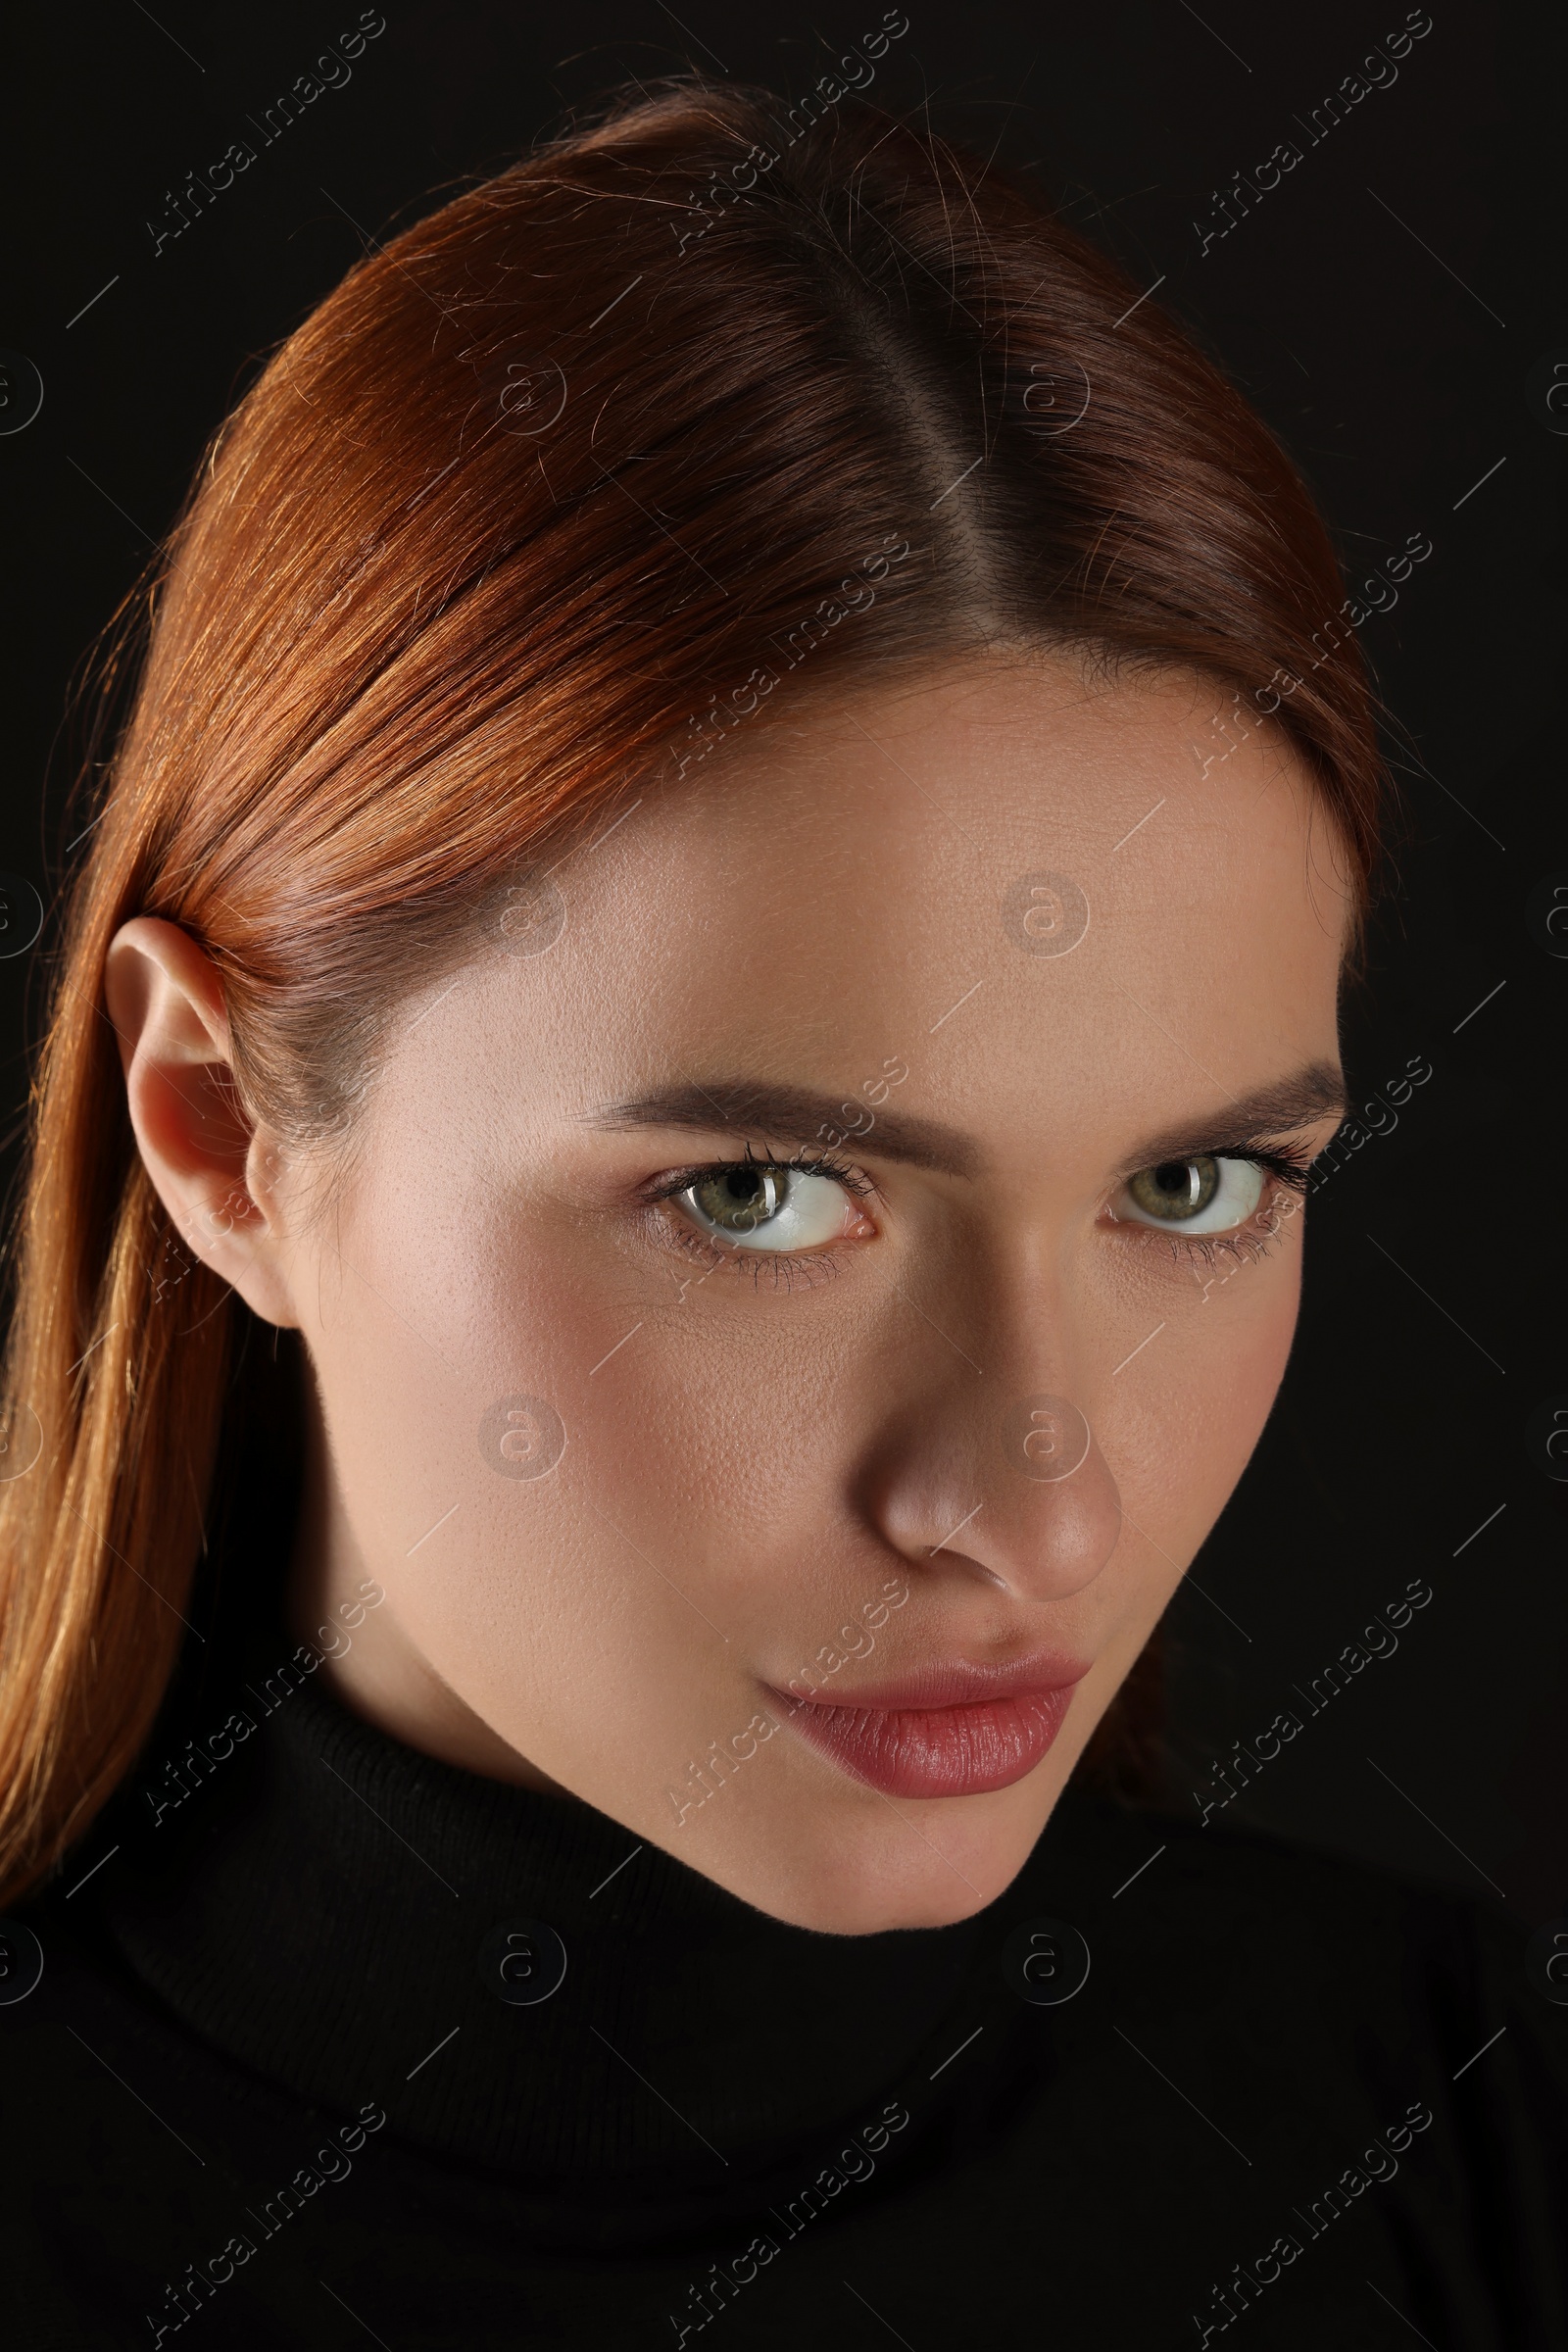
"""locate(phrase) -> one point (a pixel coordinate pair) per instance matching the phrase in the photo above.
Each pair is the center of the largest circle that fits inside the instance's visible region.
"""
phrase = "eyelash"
(1285, 1166)
(818, 1266)
(1286, 1169)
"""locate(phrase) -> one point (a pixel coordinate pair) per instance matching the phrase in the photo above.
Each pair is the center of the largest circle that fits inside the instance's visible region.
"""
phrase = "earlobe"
(165, 1001)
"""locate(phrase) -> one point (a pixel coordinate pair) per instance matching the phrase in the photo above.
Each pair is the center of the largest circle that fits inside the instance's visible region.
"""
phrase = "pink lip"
(955, 1730)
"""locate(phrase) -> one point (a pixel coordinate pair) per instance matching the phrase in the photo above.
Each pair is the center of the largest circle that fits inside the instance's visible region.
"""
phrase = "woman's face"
(806, 1519)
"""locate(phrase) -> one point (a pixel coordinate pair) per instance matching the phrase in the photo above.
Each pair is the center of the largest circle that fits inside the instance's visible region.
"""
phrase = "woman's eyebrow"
(1268, 1114)
(796, 1114)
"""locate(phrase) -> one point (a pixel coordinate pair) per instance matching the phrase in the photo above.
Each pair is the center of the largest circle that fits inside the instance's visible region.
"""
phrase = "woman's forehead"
(982, 825)
(1026, 893)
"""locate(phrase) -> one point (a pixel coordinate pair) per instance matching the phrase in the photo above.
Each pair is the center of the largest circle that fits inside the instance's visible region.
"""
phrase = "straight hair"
(694, 414)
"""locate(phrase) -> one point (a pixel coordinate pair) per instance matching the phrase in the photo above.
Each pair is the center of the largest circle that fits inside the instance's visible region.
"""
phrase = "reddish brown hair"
(546, 495)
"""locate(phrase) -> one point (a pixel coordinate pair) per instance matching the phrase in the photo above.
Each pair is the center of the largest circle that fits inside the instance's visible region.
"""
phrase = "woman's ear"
(206, 1157)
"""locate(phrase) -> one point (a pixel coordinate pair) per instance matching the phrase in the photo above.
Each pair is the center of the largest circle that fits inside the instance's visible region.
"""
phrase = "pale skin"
(756, 1459)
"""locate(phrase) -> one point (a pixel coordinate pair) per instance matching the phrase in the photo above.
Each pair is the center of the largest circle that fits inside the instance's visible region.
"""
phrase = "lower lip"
(935, 1751)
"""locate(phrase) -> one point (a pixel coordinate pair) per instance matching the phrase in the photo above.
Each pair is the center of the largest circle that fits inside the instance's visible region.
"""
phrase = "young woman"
(719, 909)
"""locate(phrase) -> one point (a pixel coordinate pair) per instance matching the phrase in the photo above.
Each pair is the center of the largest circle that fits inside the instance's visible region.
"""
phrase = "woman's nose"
(1019, 1490)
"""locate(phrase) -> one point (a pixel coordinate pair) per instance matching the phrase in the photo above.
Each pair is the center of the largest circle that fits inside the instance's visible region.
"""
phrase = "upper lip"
(950, 1683)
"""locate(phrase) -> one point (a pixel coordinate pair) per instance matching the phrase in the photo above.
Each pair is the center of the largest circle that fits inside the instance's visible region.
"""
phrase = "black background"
(1394, 308)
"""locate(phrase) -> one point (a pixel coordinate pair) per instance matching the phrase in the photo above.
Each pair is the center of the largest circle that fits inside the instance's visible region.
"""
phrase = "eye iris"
(738, 1199)
(1177, 1188)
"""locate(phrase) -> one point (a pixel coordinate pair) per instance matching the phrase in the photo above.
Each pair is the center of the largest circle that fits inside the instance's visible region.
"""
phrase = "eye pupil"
(1174, 1176)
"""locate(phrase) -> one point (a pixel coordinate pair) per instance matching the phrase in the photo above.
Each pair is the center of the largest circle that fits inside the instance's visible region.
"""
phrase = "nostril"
(955, 1531)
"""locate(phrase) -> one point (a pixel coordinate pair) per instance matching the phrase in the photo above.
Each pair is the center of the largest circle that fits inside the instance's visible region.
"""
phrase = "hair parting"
(541, 503)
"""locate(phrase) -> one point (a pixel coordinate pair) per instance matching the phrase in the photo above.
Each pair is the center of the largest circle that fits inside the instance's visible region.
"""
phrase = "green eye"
(1207, 1194)
(755, 1205)
(1178, 1189)
(737, 1201)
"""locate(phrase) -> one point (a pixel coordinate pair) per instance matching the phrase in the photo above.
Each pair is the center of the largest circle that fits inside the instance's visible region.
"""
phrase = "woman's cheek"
(1199, 1396)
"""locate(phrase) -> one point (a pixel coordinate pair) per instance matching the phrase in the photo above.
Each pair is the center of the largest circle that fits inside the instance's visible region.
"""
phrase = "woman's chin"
(923, 1864)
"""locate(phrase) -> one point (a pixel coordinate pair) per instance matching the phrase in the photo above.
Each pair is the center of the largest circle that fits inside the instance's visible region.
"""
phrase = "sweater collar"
(517, 1982)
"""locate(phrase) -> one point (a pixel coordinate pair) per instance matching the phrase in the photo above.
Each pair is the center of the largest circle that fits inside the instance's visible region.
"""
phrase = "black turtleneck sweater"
(275, 2087)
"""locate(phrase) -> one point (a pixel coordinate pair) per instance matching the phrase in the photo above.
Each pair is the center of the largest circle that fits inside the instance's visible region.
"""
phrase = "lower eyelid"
(695, 1241)
(711, 1258)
